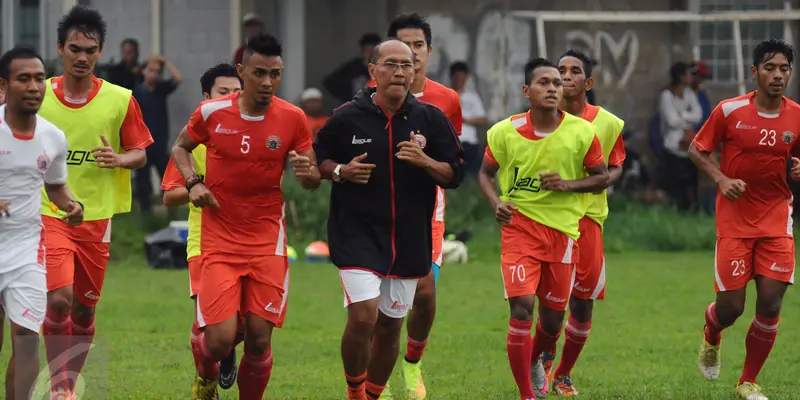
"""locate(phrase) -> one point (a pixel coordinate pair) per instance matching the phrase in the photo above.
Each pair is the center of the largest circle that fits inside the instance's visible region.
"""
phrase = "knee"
(551, 320)
(218, 345)
(60, 301)
(581, 310)
(729, 311)
(769, 306)
(81, 311)
(26, 342)
(522, 312)
(388, 327)
(361, 321)
(257, 344)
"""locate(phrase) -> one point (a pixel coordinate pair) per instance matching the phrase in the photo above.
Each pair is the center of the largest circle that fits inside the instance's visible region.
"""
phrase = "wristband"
(192, 182)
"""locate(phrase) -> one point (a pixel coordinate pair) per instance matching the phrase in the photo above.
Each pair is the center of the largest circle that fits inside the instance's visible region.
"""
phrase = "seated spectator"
(473, 114)
(352, 76)
(311, 104)
(680, 112)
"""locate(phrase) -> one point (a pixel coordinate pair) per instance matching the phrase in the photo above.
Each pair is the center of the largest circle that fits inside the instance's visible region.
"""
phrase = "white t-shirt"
(471, 107)
(26, 164)
(677, 114)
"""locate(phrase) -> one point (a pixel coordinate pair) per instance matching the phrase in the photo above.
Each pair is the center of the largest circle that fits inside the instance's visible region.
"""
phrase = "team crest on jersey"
(421, 140)
(43, 162)
(787, 137)
(273, 142)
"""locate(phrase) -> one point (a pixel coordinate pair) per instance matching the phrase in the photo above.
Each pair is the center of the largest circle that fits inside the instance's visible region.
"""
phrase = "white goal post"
(735, 17)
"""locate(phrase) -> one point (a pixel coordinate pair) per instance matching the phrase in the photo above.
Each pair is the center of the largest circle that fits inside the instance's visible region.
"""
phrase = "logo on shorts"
(273, 142)
(776, 268)
(399, 307)
(787, 137)
(421, 140)
(91, 295)
(580, 288)
(43, 162)
(27, 314)
(554, 299)
(272, 309)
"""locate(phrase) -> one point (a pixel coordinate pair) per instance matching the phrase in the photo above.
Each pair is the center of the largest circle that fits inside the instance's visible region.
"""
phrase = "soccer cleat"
(227, 370)
(539, 380)
(547, 362)
(204, 389)
(750, 391)
(412, 375)
(708, 360)
(386, 394)
(562, 386)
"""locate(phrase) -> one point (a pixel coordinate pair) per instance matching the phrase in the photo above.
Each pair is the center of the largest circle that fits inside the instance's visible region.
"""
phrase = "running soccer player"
(414, 30)
(576, 69)
(33, 157)
(218, 81)
(756, 135)
(106, 138)
(542, 158)
(243, 235)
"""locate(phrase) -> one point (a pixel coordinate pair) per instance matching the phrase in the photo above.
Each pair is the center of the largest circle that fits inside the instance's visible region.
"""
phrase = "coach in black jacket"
(385, 151)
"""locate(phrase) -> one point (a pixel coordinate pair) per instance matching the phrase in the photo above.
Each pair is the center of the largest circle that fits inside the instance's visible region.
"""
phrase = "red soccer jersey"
(244, 167)
(756, 148)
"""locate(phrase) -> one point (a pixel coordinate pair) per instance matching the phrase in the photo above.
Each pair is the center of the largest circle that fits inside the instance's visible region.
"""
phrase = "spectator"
(352, 76)
(253, 26)
(311, 103)
(700, 73)
(127, 73)
(680, 112)
(151, 95)
(473, 114)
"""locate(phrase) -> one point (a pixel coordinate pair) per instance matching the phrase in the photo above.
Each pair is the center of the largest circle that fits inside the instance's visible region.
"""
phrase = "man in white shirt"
(680, 112)
(472, 112)
(33, 155)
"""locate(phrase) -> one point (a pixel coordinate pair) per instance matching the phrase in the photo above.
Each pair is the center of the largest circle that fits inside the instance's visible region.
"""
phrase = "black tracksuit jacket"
(385, 225)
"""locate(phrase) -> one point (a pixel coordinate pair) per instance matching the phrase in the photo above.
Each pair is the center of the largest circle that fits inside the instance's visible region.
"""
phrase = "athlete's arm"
(486, 176)
(176, 197)
(60, 195)
(174, 187)
(182, 154)
(597, 181)
(302, 157)
(446, 162)
(135, 137)
(704, 144)
(326, 147)
(616, 159)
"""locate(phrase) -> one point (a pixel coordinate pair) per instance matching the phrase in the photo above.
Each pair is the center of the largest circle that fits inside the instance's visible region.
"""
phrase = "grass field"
(643, 343)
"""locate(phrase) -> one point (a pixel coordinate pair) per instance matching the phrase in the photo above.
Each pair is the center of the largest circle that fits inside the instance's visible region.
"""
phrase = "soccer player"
(382, 205)
(34, 156)
(576, 69)
(243, 234)
(218, 81)
(414, 30)
(756, 135)
(106, 139)
(541, 158)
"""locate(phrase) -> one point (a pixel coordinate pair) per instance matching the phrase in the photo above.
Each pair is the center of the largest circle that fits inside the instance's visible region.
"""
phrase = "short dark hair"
(376, 51)
(769, 48)
(459, 66)
(264, 44)
(131, 41)
(17, 53)
(217, 71)
(532, 65)
(410, 21)
(369, 39)
(677, 72)
(588, 63)
(84, 20)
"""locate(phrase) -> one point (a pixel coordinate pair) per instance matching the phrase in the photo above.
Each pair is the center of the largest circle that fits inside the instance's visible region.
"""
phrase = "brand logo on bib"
(527, 183)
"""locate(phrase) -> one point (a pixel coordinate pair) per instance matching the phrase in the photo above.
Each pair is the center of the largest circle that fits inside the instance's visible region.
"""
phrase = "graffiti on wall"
(496, 48)
(617, 57)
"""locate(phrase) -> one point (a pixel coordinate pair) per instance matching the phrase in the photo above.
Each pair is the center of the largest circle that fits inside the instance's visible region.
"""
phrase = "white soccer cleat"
(541, 385)
(750, 391)
(708, 360)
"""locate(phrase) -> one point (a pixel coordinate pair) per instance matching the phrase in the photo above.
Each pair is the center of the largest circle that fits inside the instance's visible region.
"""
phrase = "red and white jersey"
(756, 148)
(245, 160)
(26, 164)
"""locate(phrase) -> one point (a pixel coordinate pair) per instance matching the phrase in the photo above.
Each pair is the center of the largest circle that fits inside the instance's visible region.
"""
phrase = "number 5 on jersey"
(245, 144)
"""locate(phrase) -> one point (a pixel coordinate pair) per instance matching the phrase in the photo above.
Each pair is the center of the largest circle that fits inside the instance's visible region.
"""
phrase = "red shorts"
(437, 229)
(537, 260)
(73, 262)
(195, 268)
(737, 261)
(231, 283)
(590, 275)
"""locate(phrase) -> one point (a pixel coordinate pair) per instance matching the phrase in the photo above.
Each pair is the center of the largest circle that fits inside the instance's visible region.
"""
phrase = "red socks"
(207, 366)
(713, 331)
(57, 329)
(542, 341)
(414, 350)
(759, 341)
(355, 387)
(374, 391)
(82, 337)
(519, 355)
(576, 334)
(254, 373)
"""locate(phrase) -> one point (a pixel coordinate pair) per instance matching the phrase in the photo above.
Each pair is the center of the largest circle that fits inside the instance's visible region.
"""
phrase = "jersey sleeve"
(445, 146)
(594, 156)
(326, 142)
(303, 137)
(456, 116)
(617, 156)
(494, 147)
(712, 133)
(57, 173)
(489, 157)
(198, 127)
(133, 133)
(172, 177)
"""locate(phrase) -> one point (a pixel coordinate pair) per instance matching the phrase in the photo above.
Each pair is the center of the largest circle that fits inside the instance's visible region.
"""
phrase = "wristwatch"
(337, 177)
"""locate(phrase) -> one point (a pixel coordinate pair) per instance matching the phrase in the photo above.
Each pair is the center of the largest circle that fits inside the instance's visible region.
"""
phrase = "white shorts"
(395, 295)
(24, 294)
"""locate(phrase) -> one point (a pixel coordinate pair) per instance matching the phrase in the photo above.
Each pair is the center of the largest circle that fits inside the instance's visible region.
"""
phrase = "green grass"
(643, 344)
